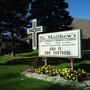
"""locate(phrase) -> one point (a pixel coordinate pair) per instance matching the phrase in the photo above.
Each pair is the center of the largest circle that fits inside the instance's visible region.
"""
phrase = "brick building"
(84, 25)
(19, 45)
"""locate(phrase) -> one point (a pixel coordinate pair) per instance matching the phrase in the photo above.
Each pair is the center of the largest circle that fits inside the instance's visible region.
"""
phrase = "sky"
(79, 9)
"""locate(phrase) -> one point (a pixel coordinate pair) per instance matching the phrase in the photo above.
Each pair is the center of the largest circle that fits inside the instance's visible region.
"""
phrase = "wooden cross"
(34, 30)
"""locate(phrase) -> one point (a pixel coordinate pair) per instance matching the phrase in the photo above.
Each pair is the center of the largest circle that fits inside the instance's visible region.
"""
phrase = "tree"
(12, 17)
(0, 42)
(52, 14)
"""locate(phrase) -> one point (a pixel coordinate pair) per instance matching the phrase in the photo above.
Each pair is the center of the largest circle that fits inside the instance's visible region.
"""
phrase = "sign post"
(72, 64)
(34, 30)
(45, 60)
(66, 44)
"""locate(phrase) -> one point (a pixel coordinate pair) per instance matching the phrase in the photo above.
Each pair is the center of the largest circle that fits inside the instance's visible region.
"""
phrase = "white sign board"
(66, 44)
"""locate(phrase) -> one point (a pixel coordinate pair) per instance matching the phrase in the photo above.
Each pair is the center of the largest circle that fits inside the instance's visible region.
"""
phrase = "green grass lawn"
(11, 67)
(28, 54)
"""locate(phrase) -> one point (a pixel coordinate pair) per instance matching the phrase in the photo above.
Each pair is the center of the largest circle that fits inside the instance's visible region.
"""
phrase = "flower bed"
(66, 73)
(58, 76)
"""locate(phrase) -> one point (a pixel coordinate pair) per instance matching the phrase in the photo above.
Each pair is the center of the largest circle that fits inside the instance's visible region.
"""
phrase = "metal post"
(45, 60)
(72, 64)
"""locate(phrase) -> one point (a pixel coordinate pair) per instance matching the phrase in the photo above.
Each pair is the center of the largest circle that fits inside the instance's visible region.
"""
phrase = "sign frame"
(78, 31)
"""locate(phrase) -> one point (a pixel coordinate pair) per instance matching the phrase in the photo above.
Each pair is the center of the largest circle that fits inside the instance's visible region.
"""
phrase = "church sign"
(66, 44)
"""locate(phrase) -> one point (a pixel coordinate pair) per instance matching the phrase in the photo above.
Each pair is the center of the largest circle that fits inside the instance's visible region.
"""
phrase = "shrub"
(65, 72)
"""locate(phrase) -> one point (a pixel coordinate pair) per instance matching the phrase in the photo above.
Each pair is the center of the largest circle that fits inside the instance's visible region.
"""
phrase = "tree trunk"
(0, 46)
(13, 44)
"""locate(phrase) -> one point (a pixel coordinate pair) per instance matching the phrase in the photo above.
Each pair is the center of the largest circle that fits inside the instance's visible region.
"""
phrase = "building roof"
(84, 25)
